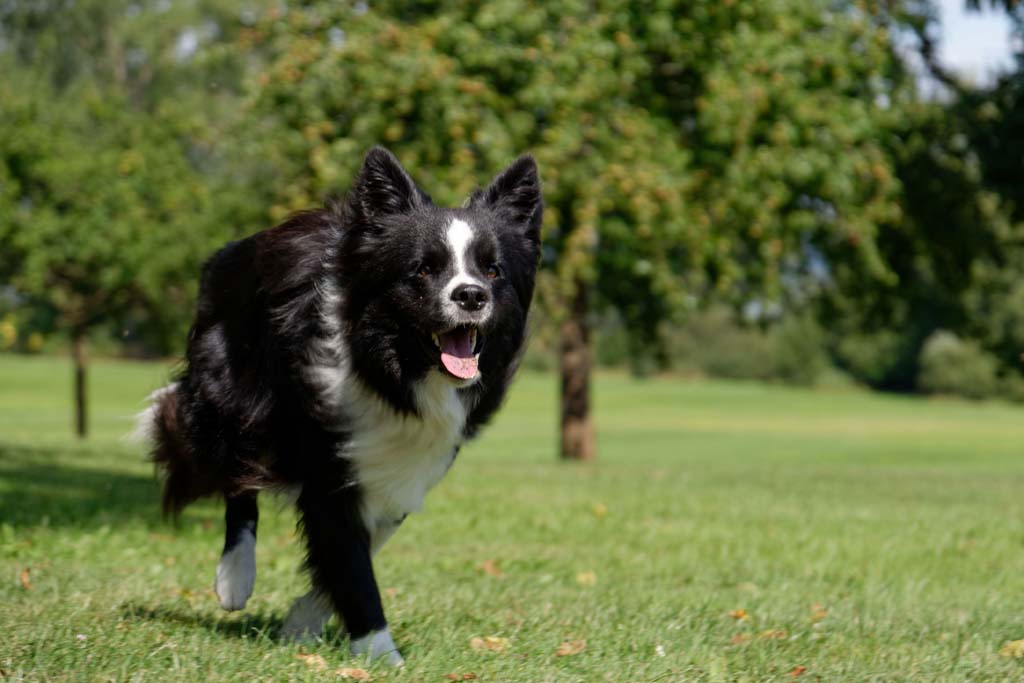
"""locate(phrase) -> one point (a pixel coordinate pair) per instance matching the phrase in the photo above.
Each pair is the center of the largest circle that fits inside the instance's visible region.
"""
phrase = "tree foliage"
(111, 188)
(690, 150)
(687, 148)
(777, 155)
(110, 175)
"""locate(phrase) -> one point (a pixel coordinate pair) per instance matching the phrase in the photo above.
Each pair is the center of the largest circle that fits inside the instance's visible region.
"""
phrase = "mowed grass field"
(729, 532)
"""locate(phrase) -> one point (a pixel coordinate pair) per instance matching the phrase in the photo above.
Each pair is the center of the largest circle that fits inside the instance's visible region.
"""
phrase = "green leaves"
(110, 197)
(687, 151)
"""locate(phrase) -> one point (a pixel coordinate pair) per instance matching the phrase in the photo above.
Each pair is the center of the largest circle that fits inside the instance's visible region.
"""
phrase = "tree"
(953, 252)
(103, 215)
(105, 163)
(689, 150)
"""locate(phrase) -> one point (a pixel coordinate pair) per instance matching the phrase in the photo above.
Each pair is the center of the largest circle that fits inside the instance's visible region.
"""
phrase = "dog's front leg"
(339, 561)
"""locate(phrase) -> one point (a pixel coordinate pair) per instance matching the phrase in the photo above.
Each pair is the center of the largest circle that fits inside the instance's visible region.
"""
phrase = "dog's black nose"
(470, 297)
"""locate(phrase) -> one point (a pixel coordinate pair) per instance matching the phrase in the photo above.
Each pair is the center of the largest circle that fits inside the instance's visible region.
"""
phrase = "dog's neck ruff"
(399, 457)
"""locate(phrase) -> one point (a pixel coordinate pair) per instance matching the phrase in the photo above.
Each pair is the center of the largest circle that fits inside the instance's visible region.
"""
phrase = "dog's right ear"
(383, 188)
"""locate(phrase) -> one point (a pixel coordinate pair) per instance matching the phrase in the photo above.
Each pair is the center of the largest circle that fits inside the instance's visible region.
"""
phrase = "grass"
(866, 537)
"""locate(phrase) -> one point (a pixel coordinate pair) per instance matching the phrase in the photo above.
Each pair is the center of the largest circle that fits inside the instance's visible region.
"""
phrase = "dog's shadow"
(258, 626)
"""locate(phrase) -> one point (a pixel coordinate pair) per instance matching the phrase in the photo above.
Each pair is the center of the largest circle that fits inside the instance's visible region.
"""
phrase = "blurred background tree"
(749, 189)
(676, 169)
(113, 188)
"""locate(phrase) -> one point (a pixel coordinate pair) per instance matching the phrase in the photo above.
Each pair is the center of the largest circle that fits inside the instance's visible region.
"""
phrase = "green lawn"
(867, 538)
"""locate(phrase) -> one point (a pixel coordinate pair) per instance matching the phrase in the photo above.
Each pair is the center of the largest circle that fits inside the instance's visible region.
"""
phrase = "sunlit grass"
(868, 538)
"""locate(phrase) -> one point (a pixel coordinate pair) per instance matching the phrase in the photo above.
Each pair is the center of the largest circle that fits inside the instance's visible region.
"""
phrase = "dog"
(345, 355)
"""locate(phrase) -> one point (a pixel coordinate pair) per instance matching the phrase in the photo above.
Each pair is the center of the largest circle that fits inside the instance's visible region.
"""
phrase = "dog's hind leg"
(236, 571)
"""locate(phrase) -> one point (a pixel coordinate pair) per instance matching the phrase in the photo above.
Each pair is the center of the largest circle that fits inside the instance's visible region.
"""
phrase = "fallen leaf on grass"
(24, 578)
(491, 568)
(313, 661)
(1013, 648)
(739, 614)
(571, 647)
(797, 670)
(818, 612)
(354, 674)
(586, 578)
(600, 510)
(740, 639)
(492, 643)
(392, 592)
(772, 634)
(460, 677)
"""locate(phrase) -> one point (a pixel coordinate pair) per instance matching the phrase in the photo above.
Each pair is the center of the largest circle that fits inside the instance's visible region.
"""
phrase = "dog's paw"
(393, 658)
(377, 646)
(236, 573)
(298, 634)
(306, 618)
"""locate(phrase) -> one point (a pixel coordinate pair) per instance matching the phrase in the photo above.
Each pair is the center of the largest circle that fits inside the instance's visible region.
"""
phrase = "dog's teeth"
(437, 341)
(472, 339)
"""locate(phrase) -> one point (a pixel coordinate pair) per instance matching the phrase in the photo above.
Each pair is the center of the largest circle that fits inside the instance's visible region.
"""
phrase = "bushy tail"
(184, 478)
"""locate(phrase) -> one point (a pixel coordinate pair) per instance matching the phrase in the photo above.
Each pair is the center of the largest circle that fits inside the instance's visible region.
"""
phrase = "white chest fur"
(398, 458)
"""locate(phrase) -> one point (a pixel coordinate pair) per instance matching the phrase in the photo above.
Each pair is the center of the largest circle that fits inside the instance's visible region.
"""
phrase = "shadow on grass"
(260, 625)
(39, 488)
(263, 625)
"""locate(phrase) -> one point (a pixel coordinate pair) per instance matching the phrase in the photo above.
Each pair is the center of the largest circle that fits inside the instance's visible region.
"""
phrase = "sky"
(975, 44)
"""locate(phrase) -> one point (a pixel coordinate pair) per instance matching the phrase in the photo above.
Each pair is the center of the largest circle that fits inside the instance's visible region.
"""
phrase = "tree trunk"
(79, 357)
(577, 429)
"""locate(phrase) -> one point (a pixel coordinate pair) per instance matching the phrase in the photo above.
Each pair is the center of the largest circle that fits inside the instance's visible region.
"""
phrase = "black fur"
(245, 415)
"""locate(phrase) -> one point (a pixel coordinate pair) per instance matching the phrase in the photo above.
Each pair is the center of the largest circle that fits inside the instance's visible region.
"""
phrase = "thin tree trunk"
(80, 359)
(577, 428)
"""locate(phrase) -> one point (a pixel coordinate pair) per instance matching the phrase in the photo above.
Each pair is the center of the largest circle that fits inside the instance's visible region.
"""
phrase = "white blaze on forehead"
(459, 237)
(460, 234)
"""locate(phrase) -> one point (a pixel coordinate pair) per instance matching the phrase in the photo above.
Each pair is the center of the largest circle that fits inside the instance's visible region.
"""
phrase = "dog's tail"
(184, 478)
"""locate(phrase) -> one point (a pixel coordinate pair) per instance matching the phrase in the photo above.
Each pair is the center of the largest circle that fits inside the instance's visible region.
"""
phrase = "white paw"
(377, 646)
(236, 573)
(306, 618)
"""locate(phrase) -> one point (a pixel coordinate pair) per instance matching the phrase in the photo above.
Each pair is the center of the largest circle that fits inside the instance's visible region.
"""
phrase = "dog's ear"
(515, 194)
(383, 188)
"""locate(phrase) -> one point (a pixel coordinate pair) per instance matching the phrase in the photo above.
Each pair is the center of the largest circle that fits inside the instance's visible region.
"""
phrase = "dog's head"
(432, 288)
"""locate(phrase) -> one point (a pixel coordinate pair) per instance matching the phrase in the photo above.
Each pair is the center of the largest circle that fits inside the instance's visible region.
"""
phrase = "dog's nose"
(470, 297)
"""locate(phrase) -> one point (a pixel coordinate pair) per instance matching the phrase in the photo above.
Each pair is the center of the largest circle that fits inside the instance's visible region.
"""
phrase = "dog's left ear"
(383, 188)
(515, 194)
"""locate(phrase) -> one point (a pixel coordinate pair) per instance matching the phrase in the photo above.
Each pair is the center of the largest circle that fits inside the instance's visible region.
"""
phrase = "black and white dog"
(345, 355)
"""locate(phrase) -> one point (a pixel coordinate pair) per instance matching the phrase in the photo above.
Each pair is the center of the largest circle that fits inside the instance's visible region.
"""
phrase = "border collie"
(345, 355)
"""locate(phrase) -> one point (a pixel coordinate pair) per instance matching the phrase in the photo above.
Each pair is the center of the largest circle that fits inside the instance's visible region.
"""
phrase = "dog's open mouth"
(459, 353)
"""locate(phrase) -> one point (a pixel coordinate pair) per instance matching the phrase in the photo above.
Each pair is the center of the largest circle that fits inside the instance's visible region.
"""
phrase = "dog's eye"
(493, 271)
(424, 270)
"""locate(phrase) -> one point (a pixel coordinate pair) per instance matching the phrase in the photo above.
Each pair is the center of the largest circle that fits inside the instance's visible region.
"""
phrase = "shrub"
(950, 365)
(712, 343)
(8, 332)
(879, 359)
(716, 344)
(799, 350)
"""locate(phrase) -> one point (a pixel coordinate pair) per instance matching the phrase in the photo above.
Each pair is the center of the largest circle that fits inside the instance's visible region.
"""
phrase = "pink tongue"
(457, 354)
